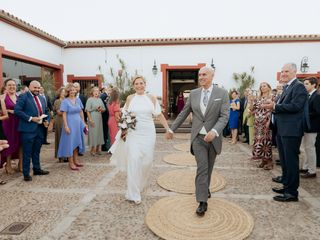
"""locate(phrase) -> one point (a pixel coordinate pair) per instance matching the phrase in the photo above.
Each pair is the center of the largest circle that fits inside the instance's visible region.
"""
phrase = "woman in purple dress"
(72, 136)
(10, 128)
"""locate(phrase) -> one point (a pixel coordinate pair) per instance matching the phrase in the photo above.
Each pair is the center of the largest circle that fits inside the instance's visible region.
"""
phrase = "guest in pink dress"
(114, 113)
(180, 102)
(10, 128)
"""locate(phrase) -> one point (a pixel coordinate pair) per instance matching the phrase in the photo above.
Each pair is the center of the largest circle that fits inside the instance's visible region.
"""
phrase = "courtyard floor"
(90, 204)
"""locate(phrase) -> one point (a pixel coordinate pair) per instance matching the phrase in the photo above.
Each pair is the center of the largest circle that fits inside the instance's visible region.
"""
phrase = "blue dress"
(234, 116)
(69, 142)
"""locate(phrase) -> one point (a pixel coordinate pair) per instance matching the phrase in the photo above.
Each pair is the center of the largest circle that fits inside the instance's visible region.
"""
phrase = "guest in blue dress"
(72, 134)
(234, 116)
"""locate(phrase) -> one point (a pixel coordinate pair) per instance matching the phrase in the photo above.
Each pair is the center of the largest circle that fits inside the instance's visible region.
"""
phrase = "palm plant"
(245, 80)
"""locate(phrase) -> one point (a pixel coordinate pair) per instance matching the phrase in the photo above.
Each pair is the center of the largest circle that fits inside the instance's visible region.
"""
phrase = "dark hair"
(8, 80)
(58, 93)
(233, 91)
(312, 81)
(114, 95)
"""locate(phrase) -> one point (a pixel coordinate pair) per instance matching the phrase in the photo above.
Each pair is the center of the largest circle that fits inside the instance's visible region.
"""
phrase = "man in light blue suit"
(30, 109)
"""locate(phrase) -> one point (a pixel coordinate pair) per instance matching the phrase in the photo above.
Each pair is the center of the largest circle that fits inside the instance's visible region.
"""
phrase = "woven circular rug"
(182, 181)
(181, 159)
(175, 218)
(183, 147)
(182, 136)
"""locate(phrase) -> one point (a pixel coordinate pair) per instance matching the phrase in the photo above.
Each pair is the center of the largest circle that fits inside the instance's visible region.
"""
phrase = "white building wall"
(18, 41)
(267, 58)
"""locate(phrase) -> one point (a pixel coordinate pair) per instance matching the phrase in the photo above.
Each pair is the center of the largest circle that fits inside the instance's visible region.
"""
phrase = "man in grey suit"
(210, 113)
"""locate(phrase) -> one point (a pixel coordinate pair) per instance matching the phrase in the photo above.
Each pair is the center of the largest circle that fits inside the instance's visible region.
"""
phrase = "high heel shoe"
(74, 168)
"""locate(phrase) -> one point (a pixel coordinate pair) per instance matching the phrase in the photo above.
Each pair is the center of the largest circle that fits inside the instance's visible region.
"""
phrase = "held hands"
(169, 135)
(268, 104)
(210, 136)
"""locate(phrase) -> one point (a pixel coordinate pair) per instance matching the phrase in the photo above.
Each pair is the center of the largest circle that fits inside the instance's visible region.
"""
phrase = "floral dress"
(262, 143)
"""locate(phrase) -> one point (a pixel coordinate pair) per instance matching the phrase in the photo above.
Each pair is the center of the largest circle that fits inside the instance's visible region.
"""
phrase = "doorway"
(175, 79)
(180, 83)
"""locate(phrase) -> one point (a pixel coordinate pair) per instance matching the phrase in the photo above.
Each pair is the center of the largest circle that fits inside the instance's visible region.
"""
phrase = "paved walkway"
(90, 204)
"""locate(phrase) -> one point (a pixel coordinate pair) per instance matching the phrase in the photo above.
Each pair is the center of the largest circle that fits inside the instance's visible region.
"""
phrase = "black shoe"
(80, 154)
(277, 179)
(303, 170)
(278, 190)
(46, 143)
(41, 172)
(65, 160)
(308, 175)
(202, 208)
(286, 198)
(209, 193)
(27, 178)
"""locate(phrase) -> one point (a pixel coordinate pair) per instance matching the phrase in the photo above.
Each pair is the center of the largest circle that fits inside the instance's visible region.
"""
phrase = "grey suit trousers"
(205, 155)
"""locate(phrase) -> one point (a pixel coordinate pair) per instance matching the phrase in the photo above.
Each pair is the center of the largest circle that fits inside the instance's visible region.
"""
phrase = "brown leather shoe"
(308, 175)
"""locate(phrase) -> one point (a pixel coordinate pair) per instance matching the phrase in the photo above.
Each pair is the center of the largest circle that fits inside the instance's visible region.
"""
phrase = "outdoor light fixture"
(212, 64)
(154, 68)
(304, 67)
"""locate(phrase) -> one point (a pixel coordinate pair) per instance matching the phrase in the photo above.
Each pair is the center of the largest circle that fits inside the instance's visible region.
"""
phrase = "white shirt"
(203, 108)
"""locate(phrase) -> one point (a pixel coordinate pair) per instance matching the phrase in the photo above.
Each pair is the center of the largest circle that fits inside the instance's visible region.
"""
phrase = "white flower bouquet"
(127, 121)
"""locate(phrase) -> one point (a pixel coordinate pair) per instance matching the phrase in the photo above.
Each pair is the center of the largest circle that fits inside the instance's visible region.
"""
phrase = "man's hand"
(268, 104)
(210, 136)
(169, 135)
(35, 119)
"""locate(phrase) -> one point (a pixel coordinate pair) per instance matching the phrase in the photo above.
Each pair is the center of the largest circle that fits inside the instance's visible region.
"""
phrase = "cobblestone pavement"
(90, 204)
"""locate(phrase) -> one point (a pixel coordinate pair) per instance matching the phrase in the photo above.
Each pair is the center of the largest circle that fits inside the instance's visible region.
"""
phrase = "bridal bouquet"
(127, 121)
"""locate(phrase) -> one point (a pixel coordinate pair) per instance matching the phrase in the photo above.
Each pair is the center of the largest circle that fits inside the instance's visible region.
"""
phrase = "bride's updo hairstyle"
(137, 77)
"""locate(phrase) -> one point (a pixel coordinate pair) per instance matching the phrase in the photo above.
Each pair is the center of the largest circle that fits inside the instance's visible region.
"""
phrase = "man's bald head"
(34, 87)
(206, 75)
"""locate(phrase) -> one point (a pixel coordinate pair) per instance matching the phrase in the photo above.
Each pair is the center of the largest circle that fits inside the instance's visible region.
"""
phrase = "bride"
(135, 155)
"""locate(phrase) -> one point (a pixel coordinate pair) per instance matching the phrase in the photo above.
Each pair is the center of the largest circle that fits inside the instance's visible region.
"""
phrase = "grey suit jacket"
(216, 115)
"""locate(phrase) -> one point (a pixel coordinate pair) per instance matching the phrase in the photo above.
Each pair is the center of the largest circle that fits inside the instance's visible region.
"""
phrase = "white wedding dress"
(135, 155)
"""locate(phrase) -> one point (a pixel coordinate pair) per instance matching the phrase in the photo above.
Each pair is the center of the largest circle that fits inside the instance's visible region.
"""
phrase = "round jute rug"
(183, 147)
(181, 159)
(182, 181)
(175, 218)
(182, 136)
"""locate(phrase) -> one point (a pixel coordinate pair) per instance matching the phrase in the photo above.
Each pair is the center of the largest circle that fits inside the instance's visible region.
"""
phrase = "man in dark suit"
(29, 109)
(310, 162)
(243, 121)
(49, 107)
(82, 98)
(105, 117)
(289, 121)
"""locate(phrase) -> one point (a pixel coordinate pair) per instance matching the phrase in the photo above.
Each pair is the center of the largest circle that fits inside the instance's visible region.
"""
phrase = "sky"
(124, 19)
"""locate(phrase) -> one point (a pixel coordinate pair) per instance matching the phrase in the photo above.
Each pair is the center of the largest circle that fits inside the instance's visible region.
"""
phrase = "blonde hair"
(137, 77)
(92, 90)
(68, 89)
(270, 89)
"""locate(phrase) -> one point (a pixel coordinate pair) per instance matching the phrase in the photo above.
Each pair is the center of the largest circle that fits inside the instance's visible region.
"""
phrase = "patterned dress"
(262, 144)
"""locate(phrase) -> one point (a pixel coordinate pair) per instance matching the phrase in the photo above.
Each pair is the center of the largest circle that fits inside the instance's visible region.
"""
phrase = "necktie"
(38, 105)
(205, 97)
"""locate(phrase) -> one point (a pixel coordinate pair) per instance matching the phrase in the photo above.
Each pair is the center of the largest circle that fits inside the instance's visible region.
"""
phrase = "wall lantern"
(212, 64)
(154, 68)
(304, 67)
